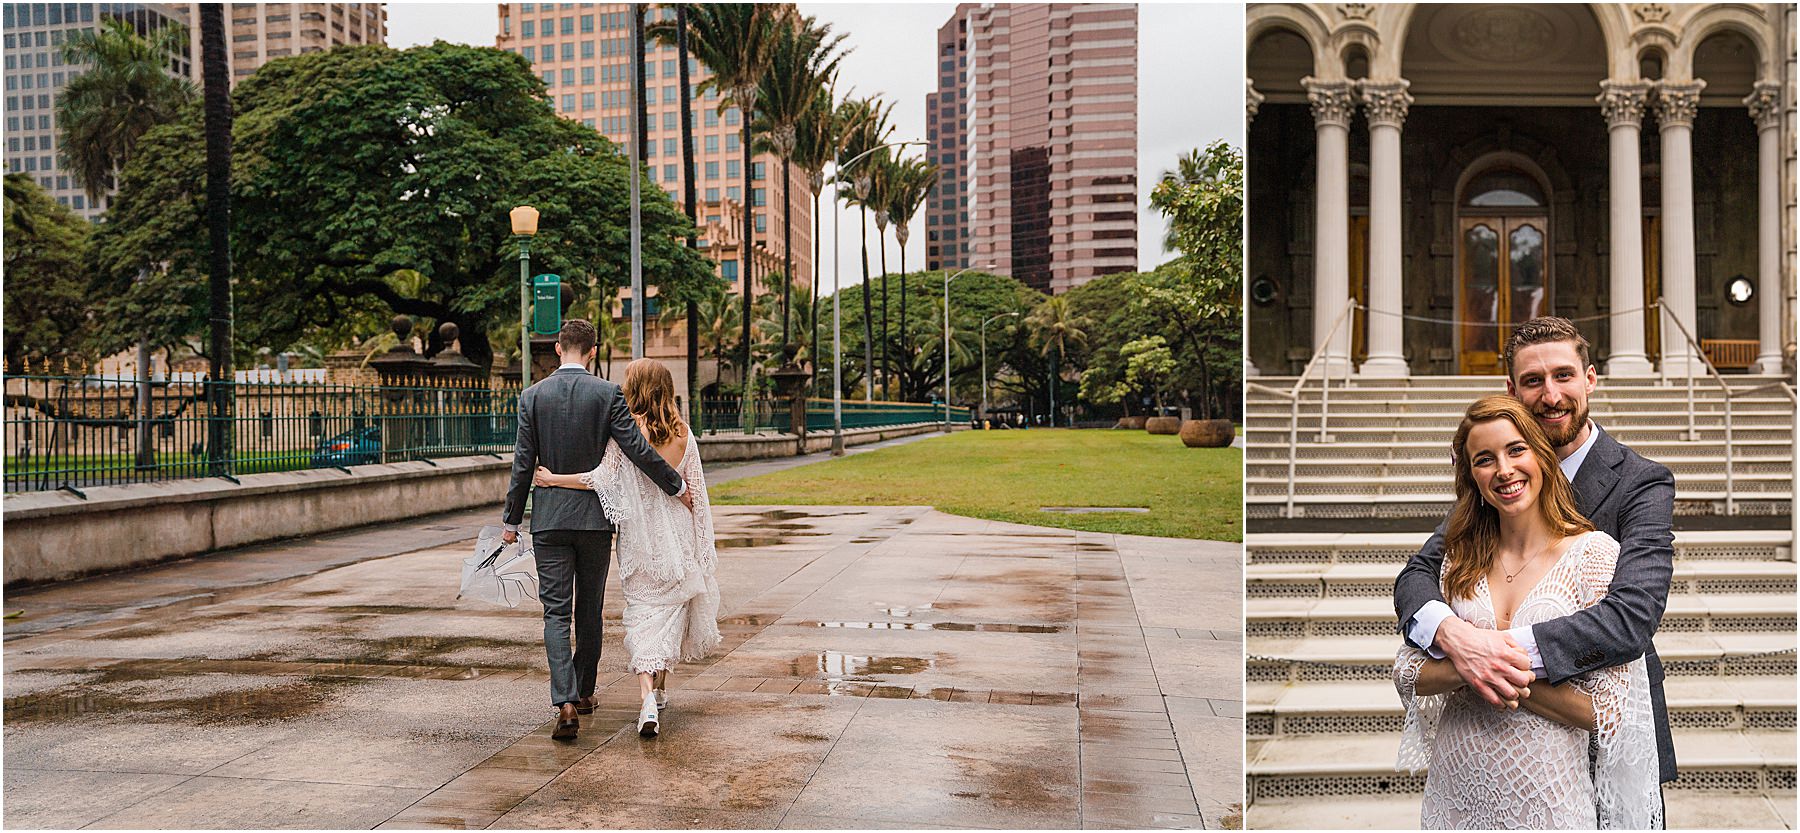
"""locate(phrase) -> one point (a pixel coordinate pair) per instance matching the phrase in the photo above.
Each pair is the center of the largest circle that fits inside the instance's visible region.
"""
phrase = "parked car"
(355, 447)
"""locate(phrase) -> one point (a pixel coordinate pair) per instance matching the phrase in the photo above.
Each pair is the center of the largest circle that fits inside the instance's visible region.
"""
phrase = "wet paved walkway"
(883, 667)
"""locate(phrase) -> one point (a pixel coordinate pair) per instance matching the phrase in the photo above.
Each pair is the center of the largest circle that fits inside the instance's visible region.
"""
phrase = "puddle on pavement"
(750, 620)
(283, 701)
(841, 667)
(980, 627)
(403, 649)
(783, 515)
(749, 541)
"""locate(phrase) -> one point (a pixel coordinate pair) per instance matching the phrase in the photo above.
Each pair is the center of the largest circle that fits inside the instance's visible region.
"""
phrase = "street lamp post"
(524, 224)
(947, 337)
(984, 375)
(837, 353)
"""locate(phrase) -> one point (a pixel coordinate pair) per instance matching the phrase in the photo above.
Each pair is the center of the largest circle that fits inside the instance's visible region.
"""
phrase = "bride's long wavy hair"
(1472, 535)
(650, 392)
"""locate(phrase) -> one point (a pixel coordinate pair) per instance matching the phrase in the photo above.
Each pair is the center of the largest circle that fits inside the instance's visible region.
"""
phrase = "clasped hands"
(1489, 661)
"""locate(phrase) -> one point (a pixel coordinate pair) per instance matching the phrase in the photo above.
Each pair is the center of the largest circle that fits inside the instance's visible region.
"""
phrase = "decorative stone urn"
(1163, 425)
(1206, 433)
(1133, 423)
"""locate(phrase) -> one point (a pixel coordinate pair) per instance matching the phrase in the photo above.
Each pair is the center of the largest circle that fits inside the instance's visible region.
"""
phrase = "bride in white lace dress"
(1581, 755)
(666, 554)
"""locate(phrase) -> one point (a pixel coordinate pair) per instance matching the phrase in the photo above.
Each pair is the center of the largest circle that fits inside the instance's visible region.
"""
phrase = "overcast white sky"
(1190, 83)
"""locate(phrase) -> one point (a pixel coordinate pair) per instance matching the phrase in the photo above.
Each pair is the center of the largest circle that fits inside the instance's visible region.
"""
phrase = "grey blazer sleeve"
(524, 462)
(1419, 581)
(632, 442)
(1619, 629)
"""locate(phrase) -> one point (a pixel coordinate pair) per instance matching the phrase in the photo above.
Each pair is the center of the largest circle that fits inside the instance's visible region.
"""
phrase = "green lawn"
(1008, 475)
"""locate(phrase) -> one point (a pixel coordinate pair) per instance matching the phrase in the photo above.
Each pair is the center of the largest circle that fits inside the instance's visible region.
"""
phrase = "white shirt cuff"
(683, 490)
(506, 527)
(1522, 635)
(1424, 627)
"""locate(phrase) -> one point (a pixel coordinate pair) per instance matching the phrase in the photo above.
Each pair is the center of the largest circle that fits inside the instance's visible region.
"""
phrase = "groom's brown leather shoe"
(567, 724)
(586, 705)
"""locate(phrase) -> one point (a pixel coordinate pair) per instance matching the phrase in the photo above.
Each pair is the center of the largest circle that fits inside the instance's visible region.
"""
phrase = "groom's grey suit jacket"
(564, 423)
(1633, 500)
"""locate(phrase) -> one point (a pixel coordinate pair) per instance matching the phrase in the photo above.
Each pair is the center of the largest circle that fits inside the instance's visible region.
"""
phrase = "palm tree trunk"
(688, 194)
(887, 354)
(787, 254)
(905, 349)
(744, 112)
(815, 288)
(868, 315)
(216, 76)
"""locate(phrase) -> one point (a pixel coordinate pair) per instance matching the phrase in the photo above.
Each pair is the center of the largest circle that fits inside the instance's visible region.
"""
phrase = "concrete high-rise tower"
(1034, 129)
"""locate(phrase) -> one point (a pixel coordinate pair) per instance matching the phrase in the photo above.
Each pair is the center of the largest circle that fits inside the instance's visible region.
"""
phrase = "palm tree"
(816, 144)
(1055, 324)
(127, 90)
(909, 182)
(880, 178)
(689, 195)
(735, 40)
(803, 62)
(866, 130)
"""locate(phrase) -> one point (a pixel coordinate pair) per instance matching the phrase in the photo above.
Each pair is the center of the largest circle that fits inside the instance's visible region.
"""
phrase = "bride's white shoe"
(647, 717)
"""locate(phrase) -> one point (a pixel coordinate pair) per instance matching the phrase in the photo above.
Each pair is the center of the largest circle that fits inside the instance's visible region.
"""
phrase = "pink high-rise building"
(1034, 129)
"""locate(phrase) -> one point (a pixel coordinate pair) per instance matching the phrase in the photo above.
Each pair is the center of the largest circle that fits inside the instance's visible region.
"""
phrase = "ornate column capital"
(1764, 102)
(1385, 103)
(1677, 104)
(1252, 100)
(1622, 102)
(1332, 102)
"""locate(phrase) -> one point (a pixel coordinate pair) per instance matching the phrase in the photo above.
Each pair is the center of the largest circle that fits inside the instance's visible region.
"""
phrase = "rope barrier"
(1497, 324)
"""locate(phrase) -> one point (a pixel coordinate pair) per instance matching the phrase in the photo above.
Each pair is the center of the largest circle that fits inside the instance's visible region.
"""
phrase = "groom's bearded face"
(1553, 382)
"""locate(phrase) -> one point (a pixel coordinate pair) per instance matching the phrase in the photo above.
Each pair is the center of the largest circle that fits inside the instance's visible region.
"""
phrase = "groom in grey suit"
(1624, 495)
(564, 424)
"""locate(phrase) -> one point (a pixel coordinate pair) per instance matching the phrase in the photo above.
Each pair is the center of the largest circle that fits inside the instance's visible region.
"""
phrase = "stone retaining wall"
(53, 536)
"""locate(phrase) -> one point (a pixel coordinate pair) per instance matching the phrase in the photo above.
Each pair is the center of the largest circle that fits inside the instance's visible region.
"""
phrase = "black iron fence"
(72, 432)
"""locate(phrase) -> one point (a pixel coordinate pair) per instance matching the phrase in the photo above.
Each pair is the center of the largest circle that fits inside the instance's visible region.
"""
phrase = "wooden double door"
(1503, 265)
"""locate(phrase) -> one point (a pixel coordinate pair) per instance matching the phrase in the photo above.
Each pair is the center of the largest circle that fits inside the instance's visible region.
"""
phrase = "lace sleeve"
(691, 470)
(1623, 743)
(1422, 713)
(608, 480)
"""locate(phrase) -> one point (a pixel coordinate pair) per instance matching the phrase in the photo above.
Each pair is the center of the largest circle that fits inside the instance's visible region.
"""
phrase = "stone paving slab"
(883, 667)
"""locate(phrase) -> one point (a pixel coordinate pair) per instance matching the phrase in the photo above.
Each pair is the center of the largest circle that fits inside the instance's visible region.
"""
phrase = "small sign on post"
(546, 304)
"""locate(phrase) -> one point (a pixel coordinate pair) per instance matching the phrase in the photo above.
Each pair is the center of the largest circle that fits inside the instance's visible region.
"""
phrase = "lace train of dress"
(666, 561)
(1492, 769)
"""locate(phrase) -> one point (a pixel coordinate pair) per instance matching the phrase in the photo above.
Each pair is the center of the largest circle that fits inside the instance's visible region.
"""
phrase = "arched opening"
(1651, 63)
(1725, 194)
(1356, 62)
(1502, 256)
(1279, 57)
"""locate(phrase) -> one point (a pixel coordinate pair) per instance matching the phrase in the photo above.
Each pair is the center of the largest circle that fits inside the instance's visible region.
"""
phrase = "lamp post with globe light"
(524, 225)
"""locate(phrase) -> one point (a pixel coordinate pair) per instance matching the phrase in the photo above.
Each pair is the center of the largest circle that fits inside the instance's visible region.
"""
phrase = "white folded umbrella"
(500, 573)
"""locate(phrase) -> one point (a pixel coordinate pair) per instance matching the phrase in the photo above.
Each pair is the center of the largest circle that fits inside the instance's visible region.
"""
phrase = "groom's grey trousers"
(572, 560)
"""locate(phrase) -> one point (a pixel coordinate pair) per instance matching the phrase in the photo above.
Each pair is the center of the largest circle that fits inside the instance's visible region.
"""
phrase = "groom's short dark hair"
(1543, 330)
(577, 334)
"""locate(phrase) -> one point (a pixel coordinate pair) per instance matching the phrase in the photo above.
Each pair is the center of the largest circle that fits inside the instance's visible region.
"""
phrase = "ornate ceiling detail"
(1356, 11)
(1505, 34)
(1651, 12)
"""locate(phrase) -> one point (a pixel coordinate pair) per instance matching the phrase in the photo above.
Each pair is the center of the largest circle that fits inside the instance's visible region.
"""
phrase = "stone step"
(1618, 422)
(1363, 764)
(1440, 469)
(1289, 658)
(1442, 432)
(1280, 709)
(1781, 449)
(1392, 400)
(1374, 616)
(1365, 480)
(1688, 809)
(1291, 582)
(1363, 507)
(1394, 548)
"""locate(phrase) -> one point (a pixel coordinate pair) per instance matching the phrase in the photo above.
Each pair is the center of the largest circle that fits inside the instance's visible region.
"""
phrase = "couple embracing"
(607, 461)
(1531, 686)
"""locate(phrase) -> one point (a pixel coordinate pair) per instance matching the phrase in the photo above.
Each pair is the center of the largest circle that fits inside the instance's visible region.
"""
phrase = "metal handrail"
(1693, 433)
(1292, 395)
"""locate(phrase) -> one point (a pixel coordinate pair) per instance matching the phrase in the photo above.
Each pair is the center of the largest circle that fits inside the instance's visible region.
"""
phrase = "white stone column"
(1385, 105)
(1331, 108)
(1252, 102)
(1676, 106)
(1765, 107)
(1622, 103)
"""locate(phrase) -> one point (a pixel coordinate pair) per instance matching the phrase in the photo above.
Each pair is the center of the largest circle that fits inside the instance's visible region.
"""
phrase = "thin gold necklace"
(1528, 562)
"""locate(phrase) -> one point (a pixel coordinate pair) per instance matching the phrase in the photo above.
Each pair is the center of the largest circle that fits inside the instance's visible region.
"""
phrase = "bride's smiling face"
(1506, 472)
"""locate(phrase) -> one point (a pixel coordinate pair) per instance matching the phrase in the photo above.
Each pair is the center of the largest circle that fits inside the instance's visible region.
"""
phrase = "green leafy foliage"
(47, 289)
(356, 166)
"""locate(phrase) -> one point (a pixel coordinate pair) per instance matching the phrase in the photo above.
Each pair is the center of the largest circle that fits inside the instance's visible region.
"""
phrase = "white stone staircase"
(1322, 717)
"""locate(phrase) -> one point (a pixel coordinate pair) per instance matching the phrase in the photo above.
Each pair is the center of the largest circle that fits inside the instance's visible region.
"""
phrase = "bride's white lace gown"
(1515, 769)
(666, 560)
